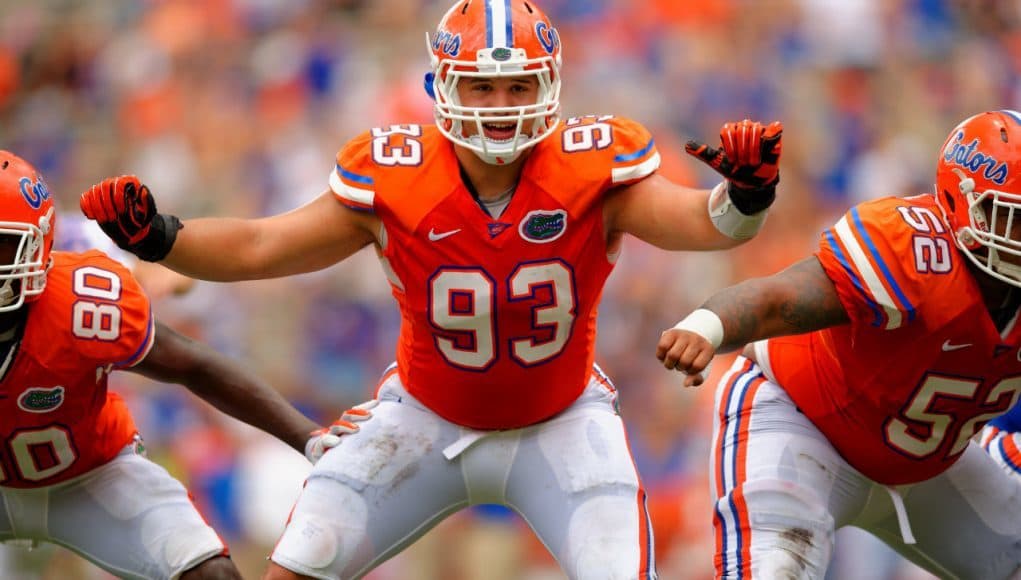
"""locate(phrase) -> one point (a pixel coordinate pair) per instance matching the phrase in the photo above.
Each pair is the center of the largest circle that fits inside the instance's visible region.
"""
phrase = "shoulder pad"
(871, 256)
(620, 151)
(111, 320)
(359, 163)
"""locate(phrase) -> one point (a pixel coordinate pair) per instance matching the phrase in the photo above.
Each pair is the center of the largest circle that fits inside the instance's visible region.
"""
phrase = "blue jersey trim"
(909, 309)
(876, 310)
(149, 328)
(636, 155)
(354, 176)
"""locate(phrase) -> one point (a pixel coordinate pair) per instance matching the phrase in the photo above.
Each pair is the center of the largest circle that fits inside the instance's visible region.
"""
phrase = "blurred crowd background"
(237, 107)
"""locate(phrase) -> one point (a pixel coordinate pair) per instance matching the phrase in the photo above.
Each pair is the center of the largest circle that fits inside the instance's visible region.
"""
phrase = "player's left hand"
(688, 352)
(322, 440)
(749, 158)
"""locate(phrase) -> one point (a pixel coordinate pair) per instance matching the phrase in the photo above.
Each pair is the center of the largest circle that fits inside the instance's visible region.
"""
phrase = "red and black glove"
(126, 211)
(749, 158)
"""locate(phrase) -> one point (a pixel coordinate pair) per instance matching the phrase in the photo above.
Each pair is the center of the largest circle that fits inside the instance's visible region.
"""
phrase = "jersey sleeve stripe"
(873, 286)
(890, 279)
(636, 172)
(143, 350)
(353, 197)
(625, 157)
(839, 254)
(350, 176)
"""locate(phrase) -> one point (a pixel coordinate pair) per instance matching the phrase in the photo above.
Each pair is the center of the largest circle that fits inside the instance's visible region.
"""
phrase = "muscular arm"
(312, 237)
(664, 214)
(799, 299)
(225, 384)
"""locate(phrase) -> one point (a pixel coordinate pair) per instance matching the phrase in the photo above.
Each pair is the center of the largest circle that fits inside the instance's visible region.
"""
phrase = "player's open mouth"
(500, 131)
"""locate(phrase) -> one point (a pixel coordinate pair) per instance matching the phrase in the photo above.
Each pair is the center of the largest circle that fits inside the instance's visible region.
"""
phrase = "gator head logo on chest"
(542, 227)
(40, 400)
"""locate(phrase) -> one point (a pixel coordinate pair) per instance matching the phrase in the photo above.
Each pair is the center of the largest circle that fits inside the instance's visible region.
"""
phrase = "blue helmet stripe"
(509, 24)
(499, 29)
(1013, 115)
(489, 23)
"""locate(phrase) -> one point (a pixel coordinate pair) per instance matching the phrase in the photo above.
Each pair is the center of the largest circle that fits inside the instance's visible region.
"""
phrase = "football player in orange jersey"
(497, 228)
(909, 344)
(72, 467)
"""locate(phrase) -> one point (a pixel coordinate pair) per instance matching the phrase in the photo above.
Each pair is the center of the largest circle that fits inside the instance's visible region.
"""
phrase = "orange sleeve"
(635, 156)
(353, 179)
(607, 150)
(356, 176)
(870, 258)
(113, 322)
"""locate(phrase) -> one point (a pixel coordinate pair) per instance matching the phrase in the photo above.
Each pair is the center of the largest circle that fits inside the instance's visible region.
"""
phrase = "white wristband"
(728, 219)
(704, 323)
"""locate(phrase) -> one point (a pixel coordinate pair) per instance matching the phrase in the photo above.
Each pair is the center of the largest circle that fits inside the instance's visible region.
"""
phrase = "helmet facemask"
(24, 276)
(492, 63)
(987, 237)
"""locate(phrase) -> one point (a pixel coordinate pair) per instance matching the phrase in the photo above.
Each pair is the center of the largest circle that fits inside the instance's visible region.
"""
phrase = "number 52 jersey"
(901, 390)
(498, 314)
(57, 419)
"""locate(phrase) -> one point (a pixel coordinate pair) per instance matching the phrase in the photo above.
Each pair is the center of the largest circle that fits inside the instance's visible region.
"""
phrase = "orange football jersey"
(498, 314)
(921, 368)
(57, 418)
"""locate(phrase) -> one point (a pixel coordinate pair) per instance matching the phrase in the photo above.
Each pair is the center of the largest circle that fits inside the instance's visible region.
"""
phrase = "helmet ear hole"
(951, 204)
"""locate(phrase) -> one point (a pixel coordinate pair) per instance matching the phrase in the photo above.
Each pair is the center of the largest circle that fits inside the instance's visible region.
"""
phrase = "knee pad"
(310, 542)
(327, 525)
(792, 530)
(603, 539)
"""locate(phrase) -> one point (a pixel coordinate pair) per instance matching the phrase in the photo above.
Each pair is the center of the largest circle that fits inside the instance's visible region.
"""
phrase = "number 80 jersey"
(498, 314)
(57, 418)
(901, 390)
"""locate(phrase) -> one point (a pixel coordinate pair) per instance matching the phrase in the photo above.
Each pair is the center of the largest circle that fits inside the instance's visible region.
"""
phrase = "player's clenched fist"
(126, 211)
(749, 158)
(688, 352)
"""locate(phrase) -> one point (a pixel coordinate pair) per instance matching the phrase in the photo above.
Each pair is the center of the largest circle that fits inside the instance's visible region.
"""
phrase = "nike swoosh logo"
(947, 347)
(434, 237)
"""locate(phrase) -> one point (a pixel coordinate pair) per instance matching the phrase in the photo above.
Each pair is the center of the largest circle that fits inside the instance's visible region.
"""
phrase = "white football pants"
(129, 517)
(571, 478)
(782, 490)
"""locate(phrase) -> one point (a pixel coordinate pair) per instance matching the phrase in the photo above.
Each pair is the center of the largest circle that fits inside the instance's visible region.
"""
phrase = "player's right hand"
(122, 206)
(322, 440)
(749, 158)
(126, 211)
(687, 352)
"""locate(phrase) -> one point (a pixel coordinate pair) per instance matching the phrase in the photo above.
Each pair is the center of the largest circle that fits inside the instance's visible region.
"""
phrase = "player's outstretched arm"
(800, 299)
(308, 238)
(226, 385)
(673, 217)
